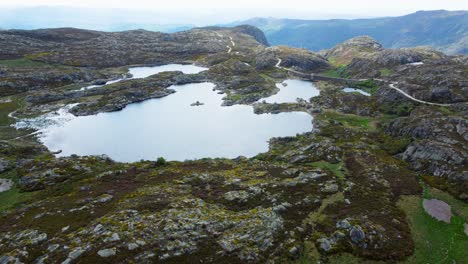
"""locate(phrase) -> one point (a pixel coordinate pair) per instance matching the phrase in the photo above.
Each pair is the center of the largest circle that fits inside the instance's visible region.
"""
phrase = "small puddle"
(415, 63)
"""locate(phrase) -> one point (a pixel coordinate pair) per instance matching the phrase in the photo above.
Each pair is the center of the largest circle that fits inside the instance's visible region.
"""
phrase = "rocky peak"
(357, 47)
(362, 42)
(255, 32)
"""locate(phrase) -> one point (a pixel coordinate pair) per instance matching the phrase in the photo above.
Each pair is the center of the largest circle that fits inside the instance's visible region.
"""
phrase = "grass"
(435, 241)
(349, 119)
(385, 72)
(350, 259)
(333, 61)
(5, 109)
(12, 197)
(331, 73)
(336, 168)
(23, 62)
(318, 216)
(369, 86)
(339, 72)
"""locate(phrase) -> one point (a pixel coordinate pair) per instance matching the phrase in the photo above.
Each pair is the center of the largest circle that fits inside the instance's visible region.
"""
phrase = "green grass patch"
(339, 72)
(23, 62)
(333, 61)
(351, 259)
(5, 109)
(385, 72)
(369, 86)
(393, 145)
(14, 196)
(336, 168)
(349, 119)
(435, 241)
(331, 73)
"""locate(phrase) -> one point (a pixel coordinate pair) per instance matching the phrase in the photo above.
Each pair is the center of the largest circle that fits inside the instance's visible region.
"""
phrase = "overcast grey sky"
(202, 12)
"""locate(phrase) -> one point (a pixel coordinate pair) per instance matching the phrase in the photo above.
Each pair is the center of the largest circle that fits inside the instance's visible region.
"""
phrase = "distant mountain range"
(443, 30)
(103, 19)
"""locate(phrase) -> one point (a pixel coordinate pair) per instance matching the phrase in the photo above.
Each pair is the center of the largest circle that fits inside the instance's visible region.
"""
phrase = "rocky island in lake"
(210, 145)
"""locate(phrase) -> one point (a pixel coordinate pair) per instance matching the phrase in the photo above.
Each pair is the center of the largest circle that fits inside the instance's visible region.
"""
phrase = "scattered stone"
(237, 195)
(293, 251)
(4, 165)
(39, 215)
(76, 253)
(228, 246)
(64, 229)
(104, 198)
(5, 184)
(357, 234)
(53, 247)
(98, 228)
(343, 224)
(114, 237)
(325, 244)
(330, 188)
(438, 209)
(85, 188)
(8, 259)
(108, 252)
(132, 246)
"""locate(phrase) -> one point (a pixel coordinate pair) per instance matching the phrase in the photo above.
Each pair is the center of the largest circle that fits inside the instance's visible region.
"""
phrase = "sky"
(206, 12)
(263, 7)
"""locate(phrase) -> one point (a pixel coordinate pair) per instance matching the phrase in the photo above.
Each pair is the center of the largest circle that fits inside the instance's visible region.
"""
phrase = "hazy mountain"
(110, 19)
(444, 30)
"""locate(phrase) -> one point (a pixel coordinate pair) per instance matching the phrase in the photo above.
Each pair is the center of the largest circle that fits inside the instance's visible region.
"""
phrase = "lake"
(170, 127)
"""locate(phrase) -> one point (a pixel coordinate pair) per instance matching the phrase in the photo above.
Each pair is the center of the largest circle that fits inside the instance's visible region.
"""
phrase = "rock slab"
(5, 185)
(438, 209)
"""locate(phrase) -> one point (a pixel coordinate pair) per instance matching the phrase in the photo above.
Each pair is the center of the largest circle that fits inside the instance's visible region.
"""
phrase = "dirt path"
(392, 86)
(231, 47)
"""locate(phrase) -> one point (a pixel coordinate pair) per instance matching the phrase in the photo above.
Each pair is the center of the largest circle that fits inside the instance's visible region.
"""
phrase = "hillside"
(444, 30)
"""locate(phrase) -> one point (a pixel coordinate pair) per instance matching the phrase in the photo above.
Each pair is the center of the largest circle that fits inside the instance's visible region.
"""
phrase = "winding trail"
(391, 86)
(287, 69)
(231, 47)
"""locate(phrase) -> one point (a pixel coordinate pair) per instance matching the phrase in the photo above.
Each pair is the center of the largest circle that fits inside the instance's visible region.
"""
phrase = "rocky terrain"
(350, 191)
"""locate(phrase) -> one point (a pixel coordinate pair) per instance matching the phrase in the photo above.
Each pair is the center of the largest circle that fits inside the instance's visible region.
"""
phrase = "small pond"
(292, 89)
(355, 90)
(143, 72)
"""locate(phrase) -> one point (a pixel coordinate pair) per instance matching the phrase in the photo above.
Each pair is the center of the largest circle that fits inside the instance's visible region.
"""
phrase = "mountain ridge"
(446, 31)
